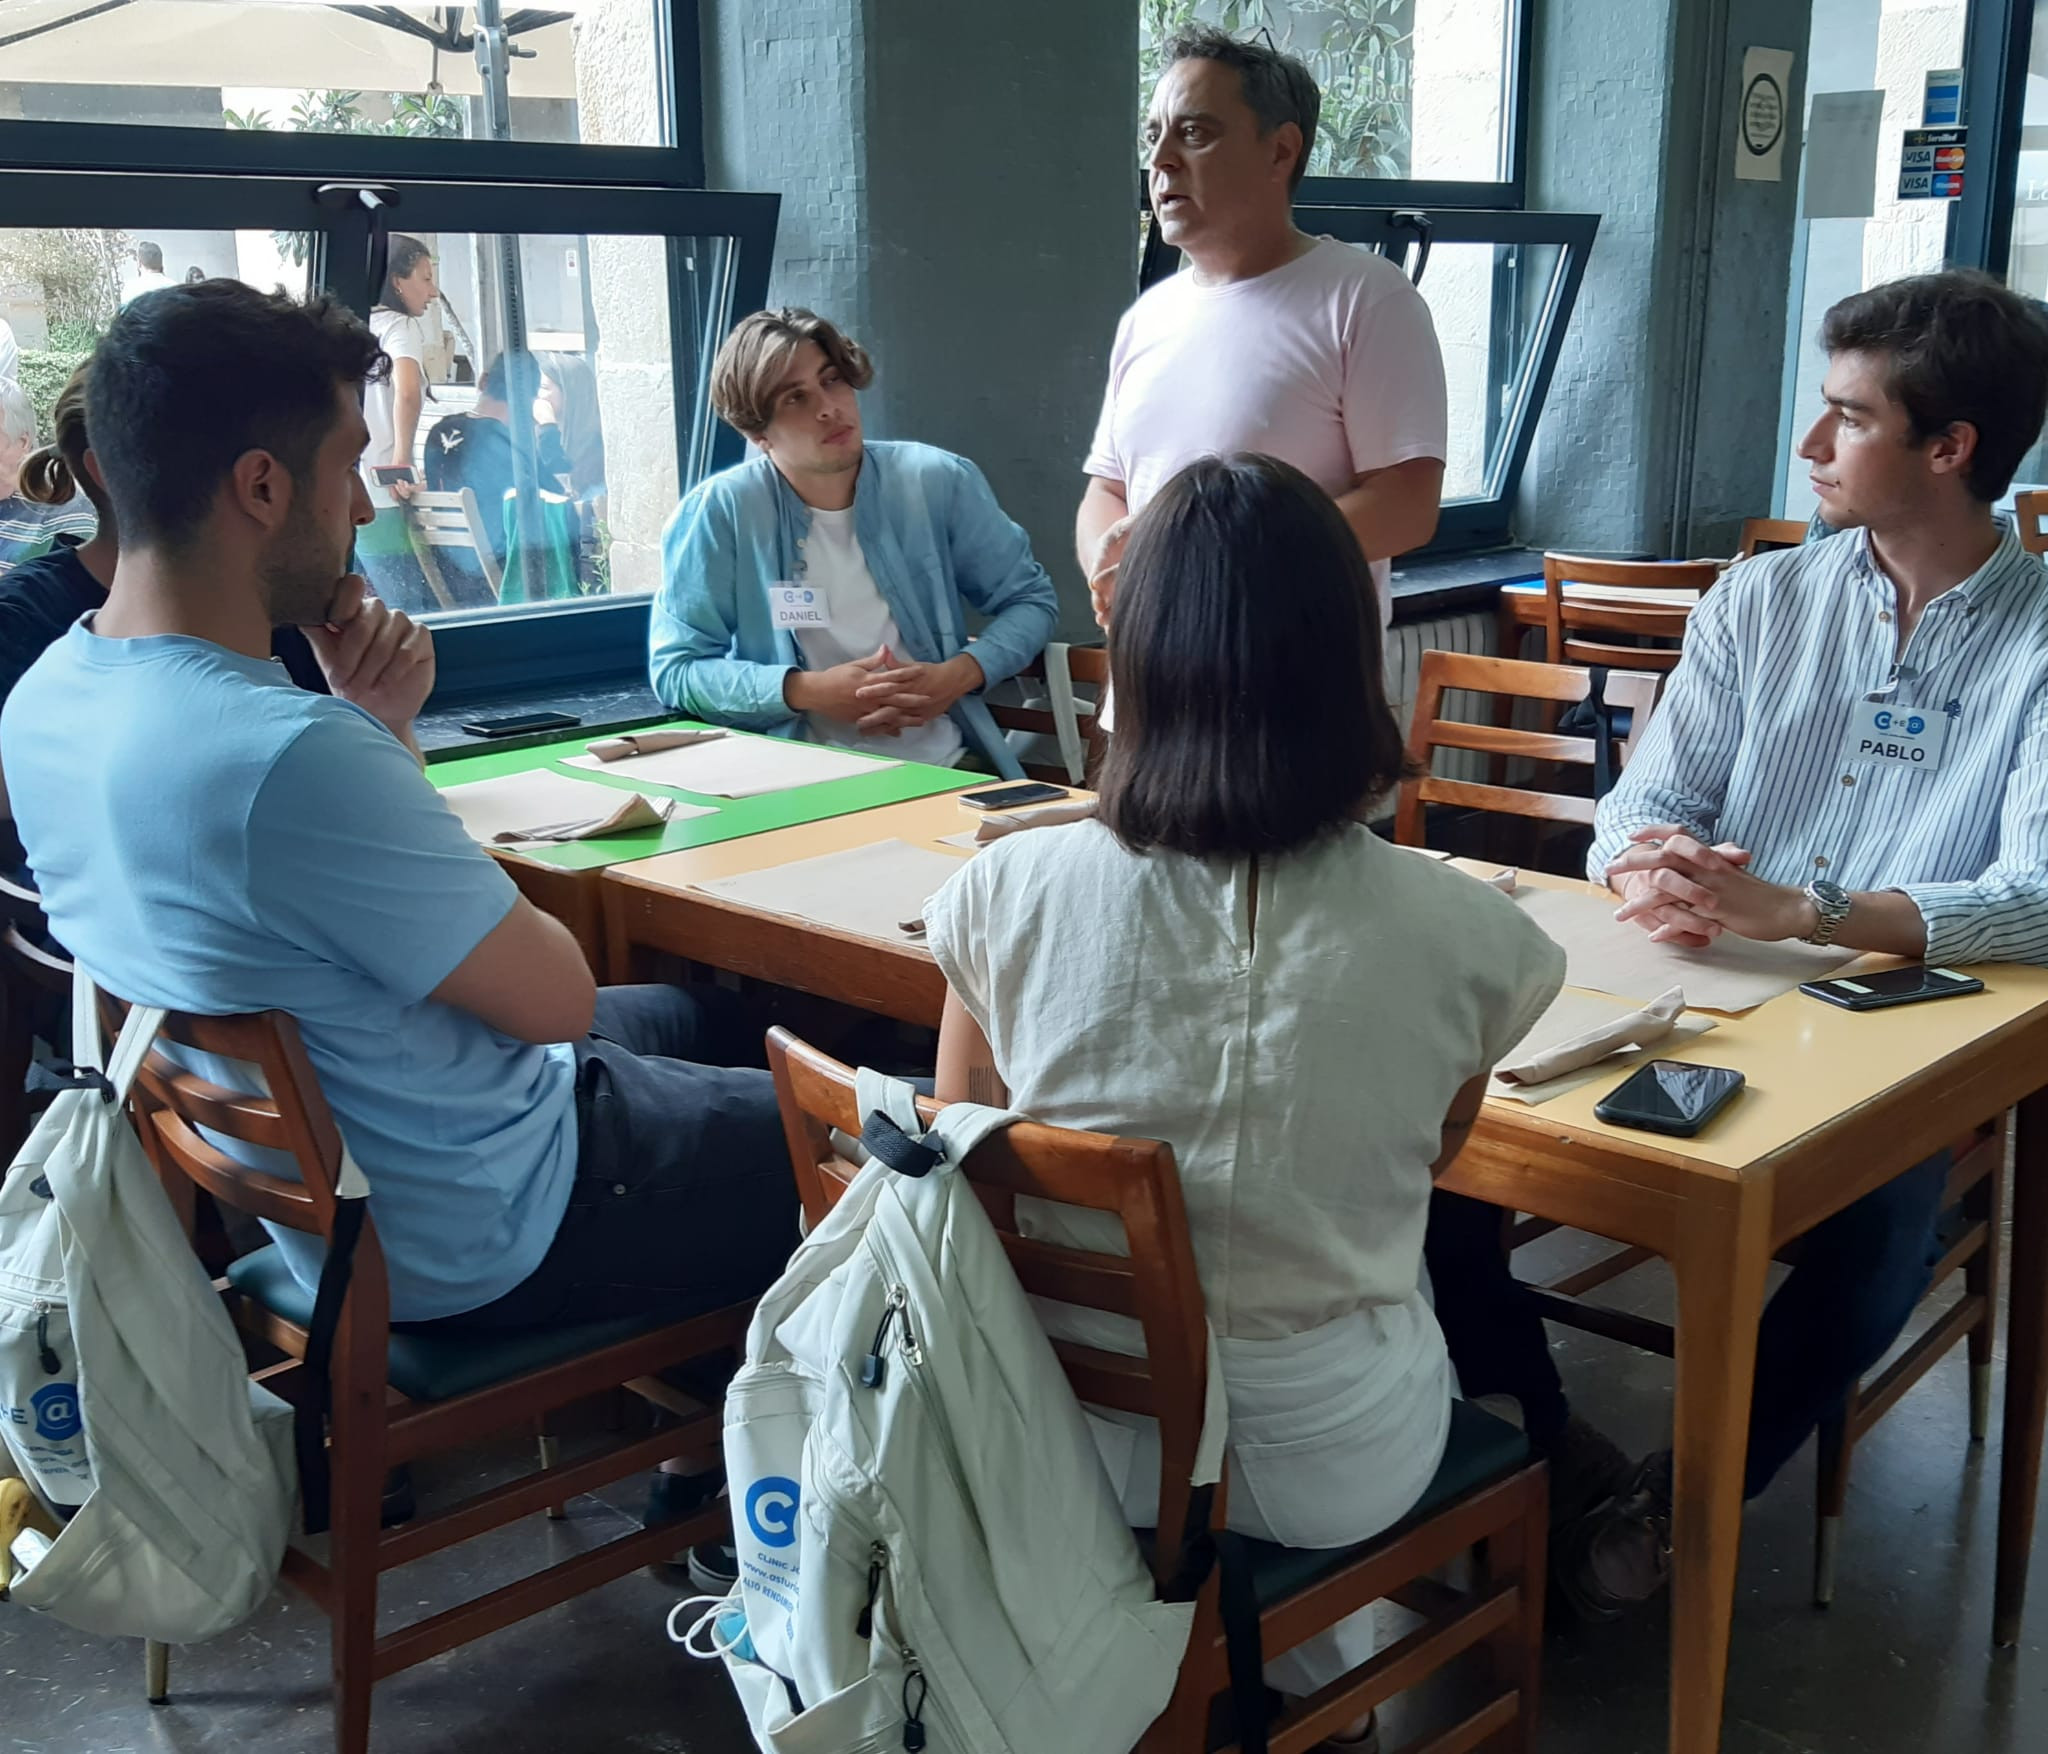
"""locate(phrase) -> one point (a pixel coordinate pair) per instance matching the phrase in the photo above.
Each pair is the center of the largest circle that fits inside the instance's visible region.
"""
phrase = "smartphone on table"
(1669, 1096)
(1891, 986)
(1013, 797)
(520, 724)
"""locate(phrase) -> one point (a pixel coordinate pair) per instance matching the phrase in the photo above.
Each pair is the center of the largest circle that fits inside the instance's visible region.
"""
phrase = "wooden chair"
(1974, 1205)
(1768, 535)
(1570, 617)
(1488, 1494)
(400, 1396)
(31, 976)
(450, 520)
(1508, 679)
(1087, 667)
(2030, 518)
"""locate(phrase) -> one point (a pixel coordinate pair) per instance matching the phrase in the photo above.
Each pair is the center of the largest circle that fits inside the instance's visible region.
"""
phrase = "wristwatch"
(1831, 902)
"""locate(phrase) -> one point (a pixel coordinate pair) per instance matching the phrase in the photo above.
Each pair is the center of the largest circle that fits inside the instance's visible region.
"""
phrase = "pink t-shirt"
(1329, 363)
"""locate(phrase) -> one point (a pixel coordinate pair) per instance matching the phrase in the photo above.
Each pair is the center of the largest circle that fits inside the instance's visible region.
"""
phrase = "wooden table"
(1837, 1103)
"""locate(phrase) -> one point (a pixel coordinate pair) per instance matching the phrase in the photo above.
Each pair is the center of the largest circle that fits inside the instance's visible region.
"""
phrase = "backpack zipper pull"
(878, 1559)
(872, 1369)
(915, 1689)
(46, 1354)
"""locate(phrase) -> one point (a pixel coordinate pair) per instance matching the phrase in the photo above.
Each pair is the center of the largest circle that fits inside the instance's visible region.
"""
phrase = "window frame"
(518, 646)
(120, 146)
(1998, 38)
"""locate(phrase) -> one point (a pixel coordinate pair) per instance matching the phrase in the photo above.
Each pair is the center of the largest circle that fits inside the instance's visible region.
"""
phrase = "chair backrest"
(1088, 667)
(1768, 535)
(2030, 515)
(1559, 683)
(23, 955)
(172, 1104)
(450, 520)
(1156, 1283)
(1642, 599)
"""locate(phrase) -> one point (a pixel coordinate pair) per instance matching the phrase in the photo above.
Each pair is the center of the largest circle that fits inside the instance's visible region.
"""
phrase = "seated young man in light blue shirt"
(210, 838)
(821, 589)
(1853, 751)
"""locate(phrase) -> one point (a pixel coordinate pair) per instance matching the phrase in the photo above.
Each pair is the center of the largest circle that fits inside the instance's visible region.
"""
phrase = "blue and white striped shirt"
(1749, 744)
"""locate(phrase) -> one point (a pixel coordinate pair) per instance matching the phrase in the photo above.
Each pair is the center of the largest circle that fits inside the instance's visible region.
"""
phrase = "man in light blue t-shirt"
(211, 838)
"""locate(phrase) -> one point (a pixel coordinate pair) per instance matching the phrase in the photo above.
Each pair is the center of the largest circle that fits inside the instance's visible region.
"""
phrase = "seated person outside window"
(888, 544)
(209, 838)
(1230, 960)
(29, 527)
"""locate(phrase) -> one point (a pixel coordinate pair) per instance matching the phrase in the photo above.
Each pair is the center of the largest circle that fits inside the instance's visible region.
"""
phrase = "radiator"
(1406, 642)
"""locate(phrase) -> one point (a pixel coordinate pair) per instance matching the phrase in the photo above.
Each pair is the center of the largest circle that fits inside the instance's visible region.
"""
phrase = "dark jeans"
(1858, 1278)
(683, 1200)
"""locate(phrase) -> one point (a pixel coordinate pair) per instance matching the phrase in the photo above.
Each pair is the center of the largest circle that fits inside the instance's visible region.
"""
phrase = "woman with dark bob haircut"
(1225, 957)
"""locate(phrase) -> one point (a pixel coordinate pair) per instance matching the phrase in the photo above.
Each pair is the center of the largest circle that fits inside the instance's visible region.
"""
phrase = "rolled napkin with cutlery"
(1633, 1029)
(630, 743)
(634, 812)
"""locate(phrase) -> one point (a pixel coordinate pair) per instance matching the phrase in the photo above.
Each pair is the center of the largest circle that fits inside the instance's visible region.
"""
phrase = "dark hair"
(194, 275)
(1277, 87)
(514, 377)
(1251, 714)
(192, 378)
(151, 256)
(1959, 347)
(56, 474)
(405, 255)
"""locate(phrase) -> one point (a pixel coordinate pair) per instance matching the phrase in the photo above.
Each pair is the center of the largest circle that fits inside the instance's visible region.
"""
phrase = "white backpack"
(123, 1389)
(931, 1555)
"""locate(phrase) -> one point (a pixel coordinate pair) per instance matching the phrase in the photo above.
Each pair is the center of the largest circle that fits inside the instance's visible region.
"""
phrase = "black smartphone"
(1892, 986)
(1669, 1096)
(390, 472)
(1013, 797)
(518, 724)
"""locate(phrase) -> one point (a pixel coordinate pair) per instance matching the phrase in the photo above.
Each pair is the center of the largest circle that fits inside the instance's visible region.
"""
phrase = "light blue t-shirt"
(210, 838)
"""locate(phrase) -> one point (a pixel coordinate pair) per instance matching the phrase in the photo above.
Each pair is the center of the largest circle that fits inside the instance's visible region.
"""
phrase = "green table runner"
(731, 818)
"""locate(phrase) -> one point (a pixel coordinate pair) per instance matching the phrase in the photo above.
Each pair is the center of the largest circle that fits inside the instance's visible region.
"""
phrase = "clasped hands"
(1683, 892)
(882, 695)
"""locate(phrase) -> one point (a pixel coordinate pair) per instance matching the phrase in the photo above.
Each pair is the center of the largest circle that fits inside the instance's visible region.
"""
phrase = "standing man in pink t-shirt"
(1310, 350)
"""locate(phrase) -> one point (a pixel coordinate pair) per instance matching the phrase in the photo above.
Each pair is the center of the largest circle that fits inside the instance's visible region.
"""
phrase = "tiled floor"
(1901, 1663)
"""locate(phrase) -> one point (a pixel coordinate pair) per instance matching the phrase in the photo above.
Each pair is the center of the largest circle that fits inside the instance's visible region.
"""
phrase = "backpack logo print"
(771, 1510)
(56, 1411)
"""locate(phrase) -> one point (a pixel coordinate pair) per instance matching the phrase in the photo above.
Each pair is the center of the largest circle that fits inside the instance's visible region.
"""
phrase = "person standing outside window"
(1306, 349)
(391, 407)
(149, 273)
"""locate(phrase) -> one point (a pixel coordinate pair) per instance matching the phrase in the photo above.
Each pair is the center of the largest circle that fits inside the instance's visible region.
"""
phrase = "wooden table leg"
(1721, 1270)
(2026, 1353)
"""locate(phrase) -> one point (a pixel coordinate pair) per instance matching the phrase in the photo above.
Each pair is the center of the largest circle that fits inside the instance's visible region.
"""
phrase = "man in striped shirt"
(1854, 751)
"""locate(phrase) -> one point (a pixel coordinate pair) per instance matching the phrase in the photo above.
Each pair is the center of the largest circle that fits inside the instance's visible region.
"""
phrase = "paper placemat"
(536, 799)
(1575, 1013)
(1616, 956)
(875, 890)
(738, 767)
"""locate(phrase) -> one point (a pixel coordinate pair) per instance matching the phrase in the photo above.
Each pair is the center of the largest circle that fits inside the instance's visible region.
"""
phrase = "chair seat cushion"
(1480, 1450)
(438, 1365)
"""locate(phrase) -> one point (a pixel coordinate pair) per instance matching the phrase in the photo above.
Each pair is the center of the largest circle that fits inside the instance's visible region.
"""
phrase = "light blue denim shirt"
(934, 539)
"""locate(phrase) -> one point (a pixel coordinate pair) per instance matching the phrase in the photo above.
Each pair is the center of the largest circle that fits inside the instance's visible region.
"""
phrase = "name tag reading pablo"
(799, 606)
(1888, 735)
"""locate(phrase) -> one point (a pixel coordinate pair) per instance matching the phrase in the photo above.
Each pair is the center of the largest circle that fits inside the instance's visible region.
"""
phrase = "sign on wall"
(1931, 164)
(1764, 106)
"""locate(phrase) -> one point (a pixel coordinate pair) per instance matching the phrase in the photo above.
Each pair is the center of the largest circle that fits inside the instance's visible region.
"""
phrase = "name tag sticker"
(1882, 734)
(799, 606)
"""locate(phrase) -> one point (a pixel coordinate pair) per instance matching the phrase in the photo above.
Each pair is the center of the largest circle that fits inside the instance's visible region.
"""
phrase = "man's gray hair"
(1279, 88)
(17, 412)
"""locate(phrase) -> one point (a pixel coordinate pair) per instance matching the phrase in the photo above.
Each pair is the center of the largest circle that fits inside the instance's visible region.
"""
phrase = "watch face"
(1832, 894)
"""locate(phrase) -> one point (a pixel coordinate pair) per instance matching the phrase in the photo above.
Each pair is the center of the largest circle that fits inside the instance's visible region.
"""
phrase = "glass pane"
(59, 289)
(581, 70)
(1887, 47)
(2028, 269)
(547, 480)
(1488, 301)
(1411, 88)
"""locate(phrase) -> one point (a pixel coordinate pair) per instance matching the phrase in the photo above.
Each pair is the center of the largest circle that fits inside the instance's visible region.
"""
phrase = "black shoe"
(1618, 1555)
(714, 1568)
(671, 1497)
(1587, 1467)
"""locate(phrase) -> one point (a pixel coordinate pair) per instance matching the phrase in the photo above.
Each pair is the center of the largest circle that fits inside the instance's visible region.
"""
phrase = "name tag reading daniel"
(1887, 735)
(799, 606)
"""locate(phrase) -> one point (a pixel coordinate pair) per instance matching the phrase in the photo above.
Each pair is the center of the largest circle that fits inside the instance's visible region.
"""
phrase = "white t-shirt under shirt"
(402, 337)
(1329, 363)
(860, 626)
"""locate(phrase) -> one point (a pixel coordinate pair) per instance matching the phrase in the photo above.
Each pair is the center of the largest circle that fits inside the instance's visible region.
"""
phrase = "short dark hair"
(514, 377)
(151, 256)
(192, 378)
(1959, 346)
(1251, 711)
(1277, 87)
